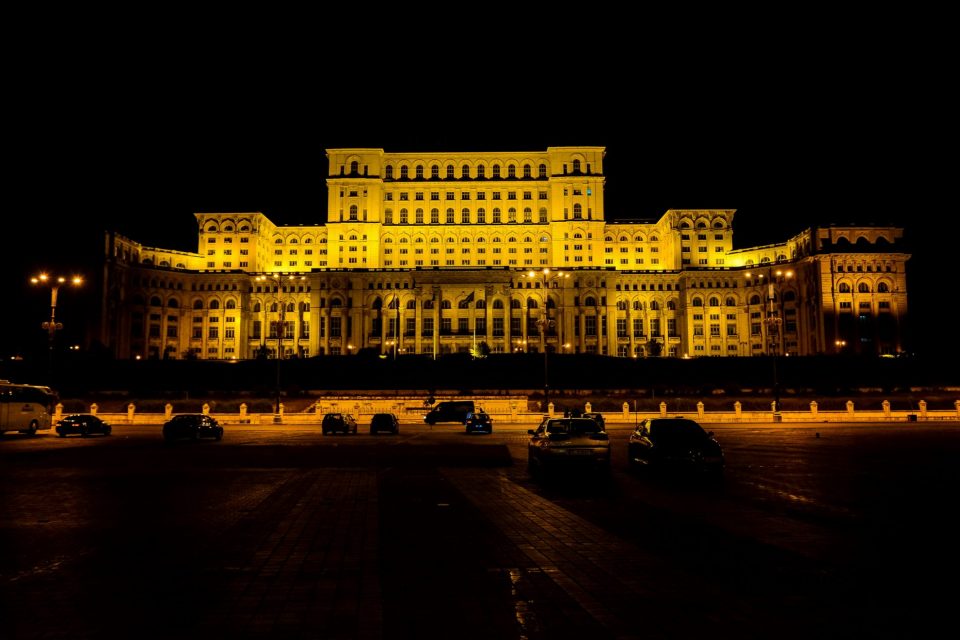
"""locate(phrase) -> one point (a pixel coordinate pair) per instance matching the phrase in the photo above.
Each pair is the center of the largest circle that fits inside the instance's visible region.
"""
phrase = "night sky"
(141, 156)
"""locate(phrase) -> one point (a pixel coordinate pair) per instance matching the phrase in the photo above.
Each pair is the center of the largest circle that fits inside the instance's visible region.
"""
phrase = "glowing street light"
(278, 280)
(52, 326)
(774, 278)
(544, 323)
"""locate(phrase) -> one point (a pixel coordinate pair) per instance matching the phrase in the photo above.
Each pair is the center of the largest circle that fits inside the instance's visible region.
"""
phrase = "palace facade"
(438, 253)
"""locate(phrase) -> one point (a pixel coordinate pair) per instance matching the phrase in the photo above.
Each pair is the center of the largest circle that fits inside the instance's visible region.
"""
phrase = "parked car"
(568, 442)
(450, 411)
(82, 423)
(338, 423)
(193, 426)
(674, 444)
(479, 422)
(598, 418)
(385, 422)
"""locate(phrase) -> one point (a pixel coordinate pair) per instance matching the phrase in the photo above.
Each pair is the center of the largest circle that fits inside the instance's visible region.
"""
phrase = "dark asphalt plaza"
(280, 532)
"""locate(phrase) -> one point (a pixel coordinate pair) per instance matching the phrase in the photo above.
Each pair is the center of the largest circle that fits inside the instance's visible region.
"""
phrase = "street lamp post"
(544, 323)
(52, 326)
(774, 323)
(278, 282)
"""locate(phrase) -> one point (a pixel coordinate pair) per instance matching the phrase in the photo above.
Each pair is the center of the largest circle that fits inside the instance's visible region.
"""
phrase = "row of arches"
(703, 223)
(863, 287)
(419, 238)
(226, 225)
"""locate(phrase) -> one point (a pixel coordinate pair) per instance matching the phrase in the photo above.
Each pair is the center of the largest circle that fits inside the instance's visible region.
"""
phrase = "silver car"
(568, 442)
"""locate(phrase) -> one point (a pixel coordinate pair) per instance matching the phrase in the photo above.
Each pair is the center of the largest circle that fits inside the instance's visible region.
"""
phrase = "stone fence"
(514, 409)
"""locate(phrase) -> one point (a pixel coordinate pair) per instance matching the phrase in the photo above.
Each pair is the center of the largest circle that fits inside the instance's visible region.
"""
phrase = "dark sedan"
(192, 426)
(674, 444)
(338, 423)
(83, 424)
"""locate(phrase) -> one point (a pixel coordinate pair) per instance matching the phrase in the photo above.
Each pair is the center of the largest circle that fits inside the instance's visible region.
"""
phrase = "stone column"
(738, 409)
(813, 408)
(167, 411)
(850, 408)
(886, 408)
(923, 409)
(663, 409)
(700, 410)
(206, 408)
(626, 410)
(243, 412)
(131, 410)
(58, 412)
(93, 408)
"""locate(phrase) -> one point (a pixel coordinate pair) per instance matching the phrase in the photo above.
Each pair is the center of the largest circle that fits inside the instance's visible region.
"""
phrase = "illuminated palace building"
(436, 253)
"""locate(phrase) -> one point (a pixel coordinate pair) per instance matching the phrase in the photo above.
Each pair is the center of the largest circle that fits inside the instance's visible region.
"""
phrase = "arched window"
(637, 305)
(714, 301)
(419, 172)
(463, 304)
(465, 216)
(621, 305)
(354, 167)
(481, 304)
(404, 173)
(450, 216)
(543, 215)
(464, 171)
(731, 302)
(445, 304)
(172, 303)
(388, 172)
(496, 171)
(863, 287)
(590, 301)
(273, 307)
(498, 304)
(754, 299)
(435, 172)
(577, 211)
(527, 214)
(654, 305)
(576, 165)
(449, 172)
(514, 303)
(527, 171)
(511, 214)
(335, 303)
(532, 304)
(672, 305)
(843, 287)
(511, 171)
(214, 304)
(789, 296)
(481, 171)
(231, 304)
(701, 225)
(304, 307)
(883, 287)
(291, 307)
(428, 304)
(542, 170)
(697, 302)
(411, 304)
(388, 216)
(155, 302)
(353, 212)
(256, 307)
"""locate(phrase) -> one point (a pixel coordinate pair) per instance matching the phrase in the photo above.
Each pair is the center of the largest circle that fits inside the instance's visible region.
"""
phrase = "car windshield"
(573, 427)
(676, 432)
(383, 417)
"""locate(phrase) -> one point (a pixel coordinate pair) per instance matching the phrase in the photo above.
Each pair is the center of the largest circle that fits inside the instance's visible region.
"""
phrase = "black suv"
(384, 422)
(338, 423)
(479, 422)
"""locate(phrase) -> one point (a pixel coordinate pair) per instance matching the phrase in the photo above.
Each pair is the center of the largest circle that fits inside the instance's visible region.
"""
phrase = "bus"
(25, 408)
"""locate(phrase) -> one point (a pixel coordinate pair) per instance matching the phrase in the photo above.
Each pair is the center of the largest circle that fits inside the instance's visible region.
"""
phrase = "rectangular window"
(621, 327)
(715, 330)
(213, 333)
(463, 326)
(590, 325)
(427, 327)
(336, 327)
